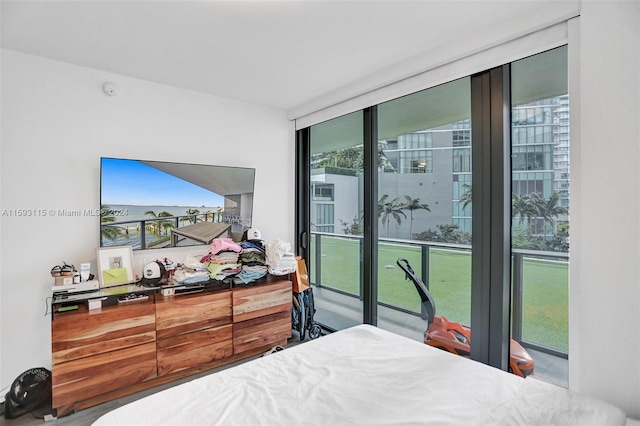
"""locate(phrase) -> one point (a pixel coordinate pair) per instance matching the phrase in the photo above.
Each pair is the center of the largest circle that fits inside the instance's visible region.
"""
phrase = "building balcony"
(540, 324)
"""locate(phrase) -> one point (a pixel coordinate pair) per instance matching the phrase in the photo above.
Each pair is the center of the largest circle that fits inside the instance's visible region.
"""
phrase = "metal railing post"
(424, 251)
(143, 234)
(516, 309)
(361, 269)
(424, 255)
(318, 271)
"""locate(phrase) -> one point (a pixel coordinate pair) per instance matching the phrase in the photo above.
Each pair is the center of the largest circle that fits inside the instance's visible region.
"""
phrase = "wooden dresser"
(261, 315)
(106, 353)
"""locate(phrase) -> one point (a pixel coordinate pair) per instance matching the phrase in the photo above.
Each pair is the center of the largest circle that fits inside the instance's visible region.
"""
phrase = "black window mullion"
(480, 220)
(303, 192)
(490, 286)
(369, 257)
(500, 217)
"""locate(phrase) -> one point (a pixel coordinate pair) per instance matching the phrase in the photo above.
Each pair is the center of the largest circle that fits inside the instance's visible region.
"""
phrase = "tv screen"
(154, 204)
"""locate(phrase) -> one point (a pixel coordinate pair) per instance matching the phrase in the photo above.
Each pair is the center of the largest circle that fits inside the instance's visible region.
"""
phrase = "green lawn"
(545, 287)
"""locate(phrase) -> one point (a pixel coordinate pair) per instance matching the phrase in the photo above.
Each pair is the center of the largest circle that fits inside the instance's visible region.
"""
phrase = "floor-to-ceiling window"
(478, 153)
(336, 178)
(424, 172)
(540, 209)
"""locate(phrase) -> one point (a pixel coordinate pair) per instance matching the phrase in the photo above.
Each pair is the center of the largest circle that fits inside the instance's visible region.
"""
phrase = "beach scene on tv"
(151, 204)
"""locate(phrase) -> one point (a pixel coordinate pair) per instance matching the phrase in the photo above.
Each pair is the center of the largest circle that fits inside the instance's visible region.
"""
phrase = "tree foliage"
(390, 209)
(346, 158)
(156, 226)
(110, 232)
(413, 204)
(445, 233)
(353, 228)
(467, 196)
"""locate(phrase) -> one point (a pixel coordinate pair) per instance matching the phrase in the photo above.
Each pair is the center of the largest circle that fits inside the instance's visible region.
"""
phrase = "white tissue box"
(94, 304)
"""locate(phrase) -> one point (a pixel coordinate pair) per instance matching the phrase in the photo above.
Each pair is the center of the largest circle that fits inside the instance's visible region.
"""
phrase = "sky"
(129, 182)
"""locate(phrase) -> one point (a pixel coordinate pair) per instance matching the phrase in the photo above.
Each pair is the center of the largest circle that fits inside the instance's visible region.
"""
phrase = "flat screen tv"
(155, 204)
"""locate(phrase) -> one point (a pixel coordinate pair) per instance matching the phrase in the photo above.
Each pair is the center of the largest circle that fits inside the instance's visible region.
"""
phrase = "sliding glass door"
(424, 205)
(412, 178)
(336, 209)
(540, 210)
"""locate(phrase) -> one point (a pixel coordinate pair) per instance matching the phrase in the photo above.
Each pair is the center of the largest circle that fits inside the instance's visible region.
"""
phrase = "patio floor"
(340, 311)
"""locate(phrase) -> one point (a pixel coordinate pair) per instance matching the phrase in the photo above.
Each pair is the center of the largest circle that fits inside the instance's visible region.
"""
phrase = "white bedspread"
(368, 376)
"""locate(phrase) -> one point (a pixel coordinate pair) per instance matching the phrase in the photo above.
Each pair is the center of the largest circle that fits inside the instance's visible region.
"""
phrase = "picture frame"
(115, 265)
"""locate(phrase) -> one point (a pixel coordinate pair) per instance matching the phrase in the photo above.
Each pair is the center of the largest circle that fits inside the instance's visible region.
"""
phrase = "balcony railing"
(522, 261)
(135, 231)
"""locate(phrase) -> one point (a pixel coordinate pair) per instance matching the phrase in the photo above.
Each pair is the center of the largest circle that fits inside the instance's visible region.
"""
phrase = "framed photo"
(115, 265)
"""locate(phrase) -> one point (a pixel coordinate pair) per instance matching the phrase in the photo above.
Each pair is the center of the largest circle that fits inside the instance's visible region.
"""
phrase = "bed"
(363, 375)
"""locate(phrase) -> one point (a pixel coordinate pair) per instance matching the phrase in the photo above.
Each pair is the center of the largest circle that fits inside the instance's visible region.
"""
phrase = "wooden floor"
(89, 415)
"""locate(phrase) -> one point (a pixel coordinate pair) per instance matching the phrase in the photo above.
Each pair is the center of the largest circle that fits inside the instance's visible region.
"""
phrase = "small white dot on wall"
(110, 89)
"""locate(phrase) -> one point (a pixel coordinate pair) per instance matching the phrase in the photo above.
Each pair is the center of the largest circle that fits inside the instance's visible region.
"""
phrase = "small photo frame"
(115, 265)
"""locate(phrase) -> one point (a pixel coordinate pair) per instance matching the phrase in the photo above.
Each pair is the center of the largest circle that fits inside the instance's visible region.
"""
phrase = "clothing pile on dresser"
(247, 260)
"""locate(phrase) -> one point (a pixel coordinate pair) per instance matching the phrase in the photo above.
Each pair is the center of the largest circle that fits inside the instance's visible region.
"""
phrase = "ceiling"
(221, 180)
(280, 54)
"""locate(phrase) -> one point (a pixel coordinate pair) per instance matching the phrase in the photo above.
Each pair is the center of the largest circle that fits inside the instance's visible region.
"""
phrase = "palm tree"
(157, 225)
(191, 216)
(413, 204)
(391, 208)
(466, 197)
(109, 232)
(527, 206)
(209, 214)
(550, 209)
(381, 202)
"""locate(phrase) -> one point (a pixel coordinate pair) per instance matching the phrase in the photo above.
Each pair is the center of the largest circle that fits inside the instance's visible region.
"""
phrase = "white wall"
(2, 382)
(57, 123)
(604, 306)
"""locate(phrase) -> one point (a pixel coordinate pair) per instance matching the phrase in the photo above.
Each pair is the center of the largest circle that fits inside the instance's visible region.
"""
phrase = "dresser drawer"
(102, 331)
(260, 300)
(193, 349)
(177, 315)
(87, 377)
(260, 332)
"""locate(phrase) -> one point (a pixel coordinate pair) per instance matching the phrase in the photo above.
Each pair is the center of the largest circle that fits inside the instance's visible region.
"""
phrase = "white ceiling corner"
(280, 54)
